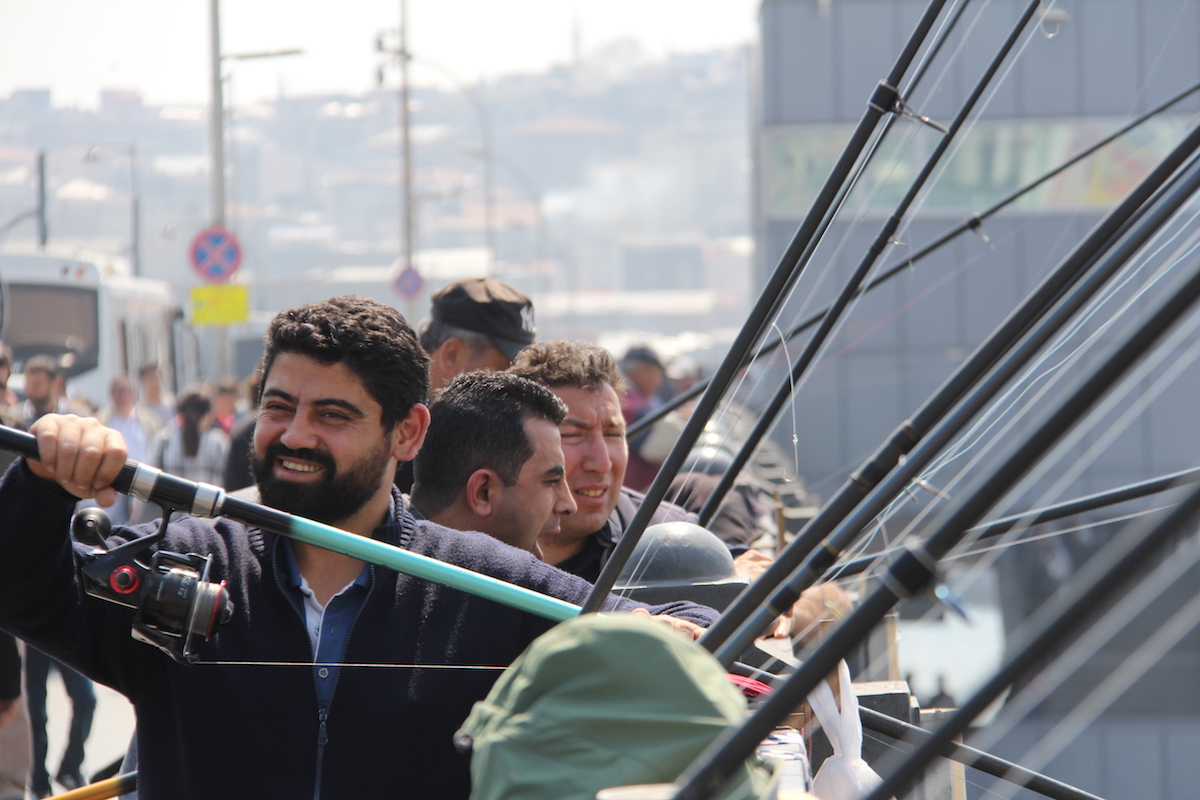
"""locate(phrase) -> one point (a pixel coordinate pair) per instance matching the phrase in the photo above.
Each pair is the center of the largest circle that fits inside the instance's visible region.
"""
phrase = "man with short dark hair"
(332, 677)
(475, 324)
(492, 459)
(586, 378)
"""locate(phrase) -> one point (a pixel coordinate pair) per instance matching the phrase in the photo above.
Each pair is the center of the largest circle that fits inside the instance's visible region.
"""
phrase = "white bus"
(94, 317)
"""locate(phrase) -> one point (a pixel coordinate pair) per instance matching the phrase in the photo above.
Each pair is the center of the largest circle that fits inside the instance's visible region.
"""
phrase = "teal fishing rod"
(916, 569)
(768, 415)
(971, 223)
(152, 485)
(885, 99)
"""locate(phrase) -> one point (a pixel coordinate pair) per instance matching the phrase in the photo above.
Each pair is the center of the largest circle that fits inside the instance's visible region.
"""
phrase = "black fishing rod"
(882, 464)
(767, 417)
(882, 101)
(971, 223)
(1106, 574)
(1051, 513)
(975, 758)
(916, 568)
(848, 514)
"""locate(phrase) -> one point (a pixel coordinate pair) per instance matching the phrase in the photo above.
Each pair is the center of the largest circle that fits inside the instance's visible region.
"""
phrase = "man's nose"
(298, 434)
(596, 457)
(565, 503)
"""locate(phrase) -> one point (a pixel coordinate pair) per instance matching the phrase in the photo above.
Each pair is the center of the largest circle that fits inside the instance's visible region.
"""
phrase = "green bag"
(602, 700)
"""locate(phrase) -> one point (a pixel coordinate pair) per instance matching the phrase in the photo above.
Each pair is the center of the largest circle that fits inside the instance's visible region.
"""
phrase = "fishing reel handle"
(174, 601)
(146, 483)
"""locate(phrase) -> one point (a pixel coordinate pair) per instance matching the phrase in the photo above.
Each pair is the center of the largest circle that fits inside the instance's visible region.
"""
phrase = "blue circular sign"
(215, 254)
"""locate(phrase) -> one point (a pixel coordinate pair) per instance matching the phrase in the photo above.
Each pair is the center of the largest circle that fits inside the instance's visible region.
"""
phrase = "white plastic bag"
(844, 775)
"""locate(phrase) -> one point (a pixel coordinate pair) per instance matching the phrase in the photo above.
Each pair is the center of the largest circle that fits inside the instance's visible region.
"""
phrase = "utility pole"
(216, 121)
(135, 215)
(41, 199)
(406, 187)
(220, 337)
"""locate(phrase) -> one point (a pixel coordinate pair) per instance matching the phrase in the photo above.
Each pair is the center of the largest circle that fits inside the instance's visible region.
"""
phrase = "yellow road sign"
(220, 304)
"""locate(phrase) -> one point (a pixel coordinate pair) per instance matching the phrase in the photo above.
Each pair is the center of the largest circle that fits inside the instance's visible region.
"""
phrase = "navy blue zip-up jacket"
(230, 730)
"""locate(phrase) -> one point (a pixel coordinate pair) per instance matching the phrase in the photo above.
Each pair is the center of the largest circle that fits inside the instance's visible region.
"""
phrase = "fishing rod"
(101, 790)
(1107, 573)
(916, 568)
(884, 465)
(767, 417)
(971, 223)
(847, 514)
(1051, 513)
(119, 575)
(975, 758)
(883, 100)
(987, 763)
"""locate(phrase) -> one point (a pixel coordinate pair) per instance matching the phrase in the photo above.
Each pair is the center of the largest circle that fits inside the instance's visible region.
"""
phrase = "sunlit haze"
(77, 48)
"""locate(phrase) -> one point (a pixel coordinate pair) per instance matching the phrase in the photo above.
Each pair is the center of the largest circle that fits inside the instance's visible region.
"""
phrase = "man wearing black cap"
(475, 324)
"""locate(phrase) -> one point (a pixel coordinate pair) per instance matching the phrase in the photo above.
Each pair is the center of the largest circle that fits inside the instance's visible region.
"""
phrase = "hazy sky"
(160, 47)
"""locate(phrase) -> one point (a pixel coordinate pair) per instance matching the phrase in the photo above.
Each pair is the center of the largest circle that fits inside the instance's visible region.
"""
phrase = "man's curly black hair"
(372, 339)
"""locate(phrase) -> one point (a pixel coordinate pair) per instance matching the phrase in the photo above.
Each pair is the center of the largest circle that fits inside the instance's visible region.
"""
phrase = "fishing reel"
(171, 593)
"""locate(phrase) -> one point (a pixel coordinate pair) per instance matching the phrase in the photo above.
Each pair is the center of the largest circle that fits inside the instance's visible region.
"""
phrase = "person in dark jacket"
(332, 678)
(493, 461)
(587, 379)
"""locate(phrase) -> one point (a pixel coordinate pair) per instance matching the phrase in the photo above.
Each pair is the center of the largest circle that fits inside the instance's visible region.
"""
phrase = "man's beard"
(335, 497)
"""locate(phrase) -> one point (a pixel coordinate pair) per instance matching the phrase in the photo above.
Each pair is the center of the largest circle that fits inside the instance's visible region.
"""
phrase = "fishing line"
(838, 474)
(1174, 565)
(1135, 549)
(834, 574)
(1009, 402)
(1145, 396)
(795, 426)
(922, 199)
(847, 297)
(1006, 403)
(1150, 194)
(1134, 667)
(371, 665)
(1172, 30)
(1174, 356)
(866, 202)
(1168, 351)
(1052, 460)
(1158, 356)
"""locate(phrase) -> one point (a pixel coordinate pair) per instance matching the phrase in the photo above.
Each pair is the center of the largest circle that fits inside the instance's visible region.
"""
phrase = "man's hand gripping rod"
(172, 493)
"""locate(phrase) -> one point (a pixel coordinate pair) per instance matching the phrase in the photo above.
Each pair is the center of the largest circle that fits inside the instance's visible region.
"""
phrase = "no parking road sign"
(408, 283)
(215, 254)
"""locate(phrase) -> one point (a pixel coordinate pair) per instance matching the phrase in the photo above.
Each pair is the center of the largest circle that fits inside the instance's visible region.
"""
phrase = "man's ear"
(409, 433)
(481, 491)
(449, 355)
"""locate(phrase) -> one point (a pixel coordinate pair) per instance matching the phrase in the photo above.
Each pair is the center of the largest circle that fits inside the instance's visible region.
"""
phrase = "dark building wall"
(1106, 61)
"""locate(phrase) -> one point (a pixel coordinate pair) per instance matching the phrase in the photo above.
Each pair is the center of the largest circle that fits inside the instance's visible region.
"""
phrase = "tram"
(88, 312)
